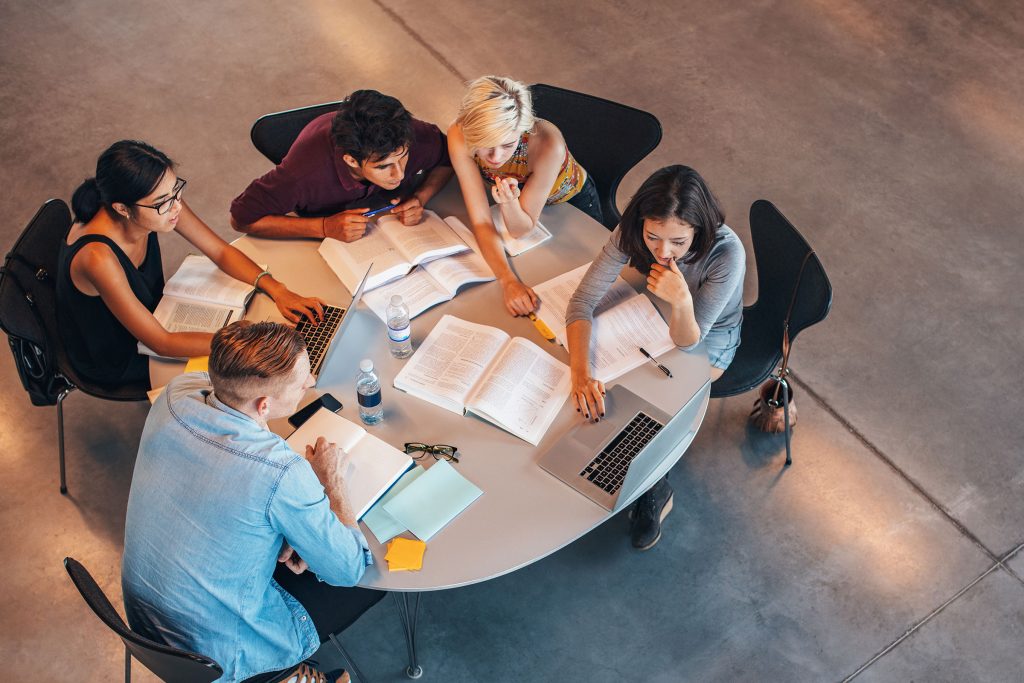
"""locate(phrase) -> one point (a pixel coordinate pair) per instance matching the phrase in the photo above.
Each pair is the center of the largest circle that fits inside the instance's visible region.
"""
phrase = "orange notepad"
(405, 554)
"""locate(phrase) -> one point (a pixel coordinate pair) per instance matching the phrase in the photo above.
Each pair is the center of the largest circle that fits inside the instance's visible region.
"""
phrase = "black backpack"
(28, 303)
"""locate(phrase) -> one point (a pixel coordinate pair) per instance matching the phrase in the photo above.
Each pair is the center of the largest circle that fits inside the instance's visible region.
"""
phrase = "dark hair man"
(368, 154)
(224, 518)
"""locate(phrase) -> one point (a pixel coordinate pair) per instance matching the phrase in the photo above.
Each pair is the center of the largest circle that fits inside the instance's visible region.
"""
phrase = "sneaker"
(307, 674)
(648, 513)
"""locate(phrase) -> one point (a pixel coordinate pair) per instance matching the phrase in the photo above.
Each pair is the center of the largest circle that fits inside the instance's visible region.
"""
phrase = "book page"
(182, 315)
(200, 279)
(329, 425)
(450, 361)
(418, 290)
(523, 390)
(517, 245)
(619, 332)
(429, 240)
(454, 272)
(349, 260)
(556, 292)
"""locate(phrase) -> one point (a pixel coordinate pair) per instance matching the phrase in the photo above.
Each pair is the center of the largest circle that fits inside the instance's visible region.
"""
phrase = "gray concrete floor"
(891, 134)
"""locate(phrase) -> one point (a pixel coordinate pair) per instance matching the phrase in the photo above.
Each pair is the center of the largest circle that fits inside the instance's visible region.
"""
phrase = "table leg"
(408, 614)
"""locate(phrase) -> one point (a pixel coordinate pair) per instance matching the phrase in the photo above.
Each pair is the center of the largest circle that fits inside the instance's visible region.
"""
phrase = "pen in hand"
(661, 367)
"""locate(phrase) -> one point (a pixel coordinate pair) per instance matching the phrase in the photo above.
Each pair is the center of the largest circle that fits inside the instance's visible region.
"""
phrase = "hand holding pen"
(651, 358)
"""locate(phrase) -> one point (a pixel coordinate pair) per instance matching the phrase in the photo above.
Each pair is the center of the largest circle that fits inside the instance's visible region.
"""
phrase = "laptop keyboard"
(608, 469)
(318, 337)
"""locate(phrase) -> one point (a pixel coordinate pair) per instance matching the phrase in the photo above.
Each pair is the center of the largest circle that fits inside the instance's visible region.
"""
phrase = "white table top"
(525, 513)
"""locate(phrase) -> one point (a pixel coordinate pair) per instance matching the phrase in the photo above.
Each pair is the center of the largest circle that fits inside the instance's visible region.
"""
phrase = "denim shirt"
(213, 497)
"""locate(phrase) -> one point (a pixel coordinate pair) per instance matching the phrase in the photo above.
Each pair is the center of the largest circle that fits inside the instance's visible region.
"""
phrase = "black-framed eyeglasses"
(439, 451)
(165, 206)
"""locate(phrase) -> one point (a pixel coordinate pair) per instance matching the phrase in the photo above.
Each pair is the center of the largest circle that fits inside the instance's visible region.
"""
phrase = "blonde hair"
(248, 359)
(493, 109)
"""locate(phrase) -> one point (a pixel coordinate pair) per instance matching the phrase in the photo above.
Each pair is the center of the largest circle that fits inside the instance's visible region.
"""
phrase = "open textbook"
(436, 281)
(623, 322)
(370, 466)
(469, 368)
(200, 297)
(393, 249)
(515, 246)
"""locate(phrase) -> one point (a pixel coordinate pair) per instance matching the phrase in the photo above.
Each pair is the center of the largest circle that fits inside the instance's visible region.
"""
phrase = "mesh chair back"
(273, 134)
(779, 251)
(606, 137)
(168, 663)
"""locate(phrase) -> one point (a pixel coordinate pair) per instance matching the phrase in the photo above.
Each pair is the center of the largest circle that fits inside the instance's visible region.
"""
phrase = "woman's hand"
(294, 307)
(588, 395)
(505, 190)
(667, 283)
(519, 299)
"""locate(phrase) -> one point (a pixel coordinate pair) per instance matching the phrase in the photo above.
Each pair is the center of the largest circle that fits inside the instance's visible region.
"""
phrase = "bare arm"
(547, 151)
(669, 285)
(587, 392)
(327, 460)
(239, 266)
(519, 299)
(97, 265)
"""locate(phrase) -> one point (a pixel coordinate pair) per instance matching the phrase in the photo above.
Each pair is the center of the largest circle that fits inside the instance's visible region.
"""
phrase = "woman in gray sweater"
(674, 231)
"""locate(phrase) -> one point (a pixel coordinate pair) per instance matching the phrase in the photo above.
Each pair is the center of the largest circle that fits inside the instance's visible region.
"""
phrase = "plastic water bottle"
(399, 329)
(371, 410)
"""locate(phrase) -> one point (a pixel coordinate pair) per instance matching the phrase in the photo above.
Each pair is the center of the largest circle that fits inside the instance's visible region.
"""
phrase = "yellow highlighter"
(544, 330)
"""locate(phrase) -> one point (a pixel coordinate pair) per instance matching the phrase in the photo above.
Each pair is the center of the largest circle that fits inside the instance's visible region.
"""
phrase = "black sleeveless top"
(100, 348)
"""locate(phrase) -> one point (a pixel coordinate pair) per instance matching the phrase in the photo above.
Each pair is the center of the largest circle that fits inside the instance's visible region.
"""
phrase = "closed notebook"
(433, 500)
(383, 526)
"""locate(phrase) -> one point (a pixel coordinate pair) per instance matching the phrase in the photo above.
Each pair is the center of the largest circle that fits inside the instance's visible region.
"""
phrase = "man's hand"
(347, 226)
(505, 190)
(519, 299)
(667, 283)
(291, 559)
(410, 212)
(325, 458)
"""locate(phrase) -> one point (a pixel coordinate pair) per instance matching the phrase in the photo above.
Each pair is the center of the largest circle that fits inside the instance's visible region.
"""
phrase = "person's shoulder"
(547, 140)
(727, 247)
(424, 130)
(312, 145)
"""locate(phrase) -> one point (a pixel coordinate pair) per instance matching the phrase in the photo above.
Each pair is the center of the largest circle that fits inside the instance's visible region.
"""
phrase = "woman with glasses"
(111, 277)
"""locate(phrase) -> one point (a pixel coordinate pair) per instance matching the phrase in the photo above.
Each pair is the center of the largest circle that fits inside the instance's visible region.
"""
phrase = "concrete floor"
(891, 134)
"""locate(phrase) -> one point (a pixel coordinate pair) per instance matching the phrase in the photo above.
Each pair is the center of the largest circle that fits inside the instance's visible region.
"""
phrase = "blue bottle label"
(399, 334)
(371, 401)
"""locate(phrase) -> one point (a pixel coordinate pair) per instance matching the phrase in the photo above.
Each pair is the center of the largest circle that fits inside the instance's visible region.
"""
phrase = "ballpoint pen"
(382, 209)
(661, 367)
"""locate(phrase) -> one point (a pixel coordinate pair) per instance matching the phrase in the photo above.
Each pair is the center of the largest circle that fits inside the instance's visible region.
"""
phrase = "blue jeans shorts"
(721, 346)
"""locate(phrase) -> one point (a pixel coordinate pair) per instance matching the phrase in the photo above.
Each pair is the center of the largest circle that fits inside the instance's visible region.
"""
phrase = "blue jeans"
(588, 201)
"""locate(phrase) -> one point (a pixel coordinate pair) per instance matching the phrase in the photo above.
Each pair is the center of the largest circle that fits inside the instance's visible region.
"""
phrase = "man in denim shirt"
(218, 501)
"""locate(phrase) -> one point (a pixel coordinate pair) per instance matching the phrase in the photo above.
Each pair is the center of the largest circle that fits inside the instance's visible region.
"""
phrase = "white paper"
(431, 238)
(515, 246)
(198, 278)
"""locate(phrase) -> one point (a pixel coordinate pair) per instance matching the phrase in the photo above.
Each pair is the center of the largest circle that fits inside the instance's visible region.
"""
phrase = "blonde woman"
(497, 142)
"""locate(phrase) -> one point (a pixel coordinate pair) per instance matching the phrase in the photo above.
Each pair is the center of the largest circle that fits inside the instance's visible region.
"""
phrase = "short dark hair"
(671, 192)
(126, 172)
(250, 359)
(371, 126)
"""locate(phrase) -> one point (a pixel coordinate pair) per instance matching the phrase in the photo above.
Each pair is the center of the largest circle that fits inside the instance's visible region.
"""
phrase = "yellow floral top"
(569, 182)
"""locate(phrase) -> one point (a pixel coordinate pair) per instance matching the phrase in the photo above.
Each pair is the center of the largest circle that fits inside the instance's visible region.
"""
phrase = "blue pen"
(382, 209)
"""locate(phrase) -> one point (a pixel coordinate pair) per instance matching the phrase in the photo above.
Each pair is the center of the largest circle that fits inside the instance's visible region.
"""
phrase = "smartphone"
(302, 414)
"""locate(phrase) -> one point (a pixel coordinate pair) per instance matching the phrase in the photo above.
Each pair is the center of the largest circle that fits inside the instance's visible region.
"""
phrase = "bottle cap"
(396, 300)
(366, 365)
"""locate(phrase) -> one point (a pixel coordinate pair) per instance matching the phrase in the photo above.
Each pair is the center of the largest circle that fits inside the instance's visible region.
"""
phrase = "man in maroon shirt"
(369, 154)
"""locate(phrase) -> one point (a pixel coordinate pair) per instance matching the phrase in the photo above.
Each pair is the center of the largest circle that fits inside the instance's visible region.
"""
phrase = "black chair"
(273, 134)
(28, 314)
(606, 137)
(168, 663)
(779, 251)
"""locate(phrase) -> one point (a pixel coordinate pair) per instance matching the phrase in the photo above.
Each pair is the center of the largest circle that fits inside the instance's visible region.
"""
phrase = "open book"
(200, 297)
(515, 246)
(392, 248)
(623, 322)
(370, 466)
(469, 368)
(436, 281)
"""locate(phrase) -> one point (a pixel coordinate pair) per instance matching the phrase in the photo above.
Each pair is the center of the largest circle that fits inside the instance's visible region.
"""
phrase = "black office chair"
(28, 314)
(606, 137)
(779, 251)
(168, 663)
(273, 134)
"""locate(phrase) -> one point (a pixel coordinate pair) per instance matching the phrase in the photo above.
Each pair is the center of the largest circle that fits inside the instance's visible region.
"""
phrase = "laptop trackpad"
(593, 435)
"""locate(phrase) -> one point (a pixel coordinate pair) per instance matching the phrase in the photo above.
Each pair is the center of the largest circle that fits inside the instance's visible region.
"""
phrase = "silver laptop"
(608, 461)
(322, 339)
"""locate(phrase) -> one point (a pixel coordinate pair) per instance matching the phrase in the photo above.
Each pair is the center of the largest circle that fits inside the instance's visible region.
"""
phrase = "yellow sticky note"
(198, 364)
(405, 554)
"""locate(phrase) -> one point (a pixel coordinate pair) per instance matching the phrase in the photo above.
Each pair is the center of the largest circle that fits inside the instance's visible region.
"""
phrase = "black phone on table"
(302, 414)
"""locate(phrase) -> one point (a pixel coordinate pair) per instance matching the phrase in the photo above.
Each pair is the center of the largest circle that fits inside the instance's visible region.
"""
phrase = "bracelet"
(256, 282)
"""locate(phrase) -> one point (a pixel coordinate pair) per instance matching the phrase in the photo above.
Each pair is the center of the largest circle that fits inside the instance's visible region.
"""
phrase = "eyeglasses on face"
(165, 206)
(439, 451)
